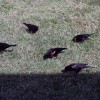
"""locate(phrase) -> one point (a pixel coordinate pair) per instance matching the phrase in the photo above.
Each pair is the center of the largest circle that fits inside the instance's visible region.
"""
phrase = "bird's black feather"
(53, 52)
(4, 46)
(81, 37)
(31, 28)
(76, 67)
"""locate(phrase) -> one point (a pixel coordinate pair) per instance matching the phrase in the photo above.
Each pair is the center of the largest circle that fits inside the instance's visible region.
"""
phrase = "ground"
(24, 75)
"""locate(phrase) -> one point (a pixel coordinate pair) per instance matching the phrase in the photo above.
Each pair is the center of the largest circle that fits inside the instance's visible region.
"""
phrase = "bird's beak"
(44, 58)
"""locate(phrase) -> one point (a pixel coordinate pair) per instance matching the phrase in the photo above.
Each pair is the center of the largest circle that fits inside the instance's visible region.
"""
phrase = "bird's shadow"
(49, 86)
(6, 51)
(27, 30)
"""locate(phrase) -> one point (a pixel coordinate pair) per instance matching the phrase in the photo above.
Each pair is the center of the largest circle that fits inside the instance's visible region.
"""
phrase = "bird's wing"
(49, 52)
(79, 65)
(52, 53)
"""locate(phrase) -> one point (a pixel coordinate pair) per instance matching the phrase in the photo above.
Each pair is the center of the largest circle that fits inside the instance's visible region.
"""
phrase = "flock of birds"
(53, 52)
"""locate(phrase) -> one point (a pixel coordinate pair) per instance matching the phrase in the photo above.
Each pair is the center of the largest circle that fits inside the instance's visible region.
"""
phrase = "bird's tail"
(13, 45)
(91, 34)
(94, 34)
(63, 48)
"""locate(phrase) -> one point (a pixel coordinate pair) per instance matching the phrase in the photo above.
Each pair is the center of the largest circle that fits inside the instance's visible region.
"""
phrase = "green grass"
(24, 73)
(90, 2)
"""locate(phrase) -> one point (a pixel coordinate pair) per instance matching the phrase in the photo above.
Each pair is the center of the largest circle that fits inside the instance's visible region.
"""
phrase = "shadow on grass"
(50, 87)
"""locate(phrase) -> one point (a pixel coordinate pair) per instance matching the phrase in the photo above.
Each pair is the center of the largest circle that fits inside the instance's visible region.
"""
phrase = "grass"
(24, 74)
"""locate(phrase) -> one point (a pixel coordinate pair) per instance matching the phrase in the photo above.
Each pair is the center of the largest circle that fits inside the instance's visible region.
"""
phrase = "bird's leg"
(78, 47)
(58, 57)
(55, 57)
(27, 30)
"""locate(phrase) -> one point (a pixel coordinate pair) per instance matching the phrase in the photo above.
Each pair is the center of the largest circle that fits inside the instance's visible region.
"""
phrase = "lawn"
(24, 75)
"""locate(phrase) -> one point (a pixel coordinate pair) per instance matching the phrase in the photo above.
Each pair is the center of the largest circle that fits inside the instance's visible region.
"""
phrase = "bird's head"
(45, 57)
(74, 39)
(64, 71)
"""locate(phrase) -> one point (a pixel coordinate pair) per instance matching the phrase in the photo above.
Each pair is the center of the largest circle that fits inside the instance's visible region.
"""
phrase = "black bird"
(53, 52)
(76, 67)
(4, 46)
(81, 37)
(31, 28)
